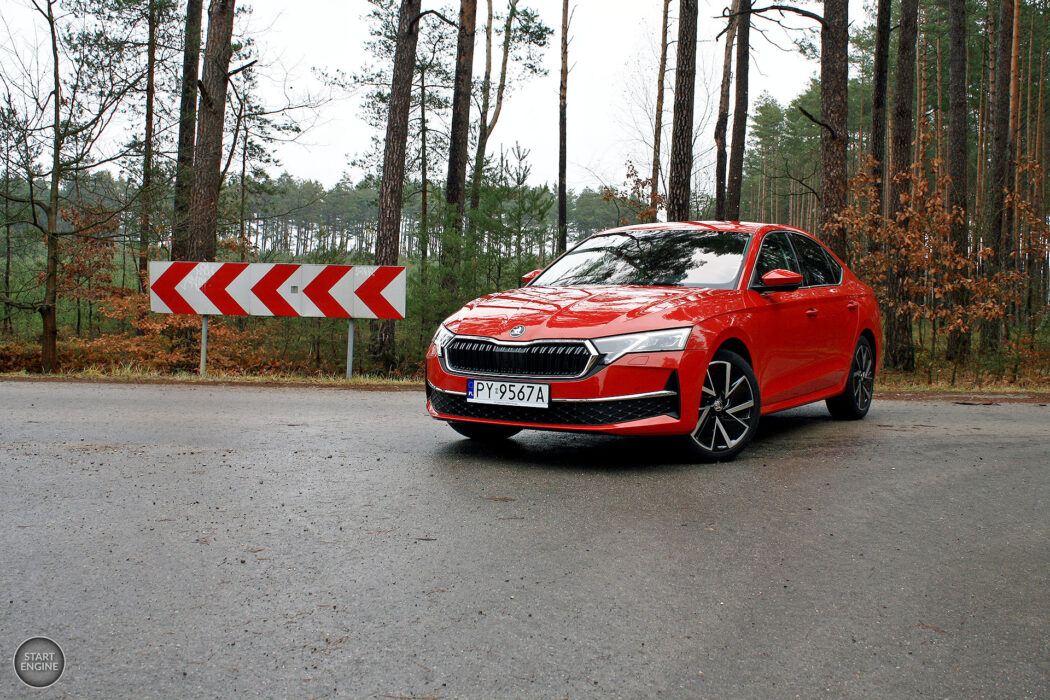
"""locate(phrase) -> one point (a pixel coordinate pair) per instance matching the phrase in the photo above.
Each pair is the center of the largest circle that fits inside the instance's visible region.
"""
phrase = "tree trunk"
(722, 122)
(681, 170)
(152, 19)
(658, 126)
(486, 96)
(958, 157)
(485, 125)
(984, 120)
(563, 91)
(207, 156)
(501, 87)
(736, 155)
(388, 230)
(424, 187)
(1038, 272)
(459, 137)
(994, 218)
(879, 90)
(242, 219)
(6, 327)
(424, 204)
(900, 352)
(187, 131)
(1013, 145)
(488, 125)
(834, 107)
(49, 309)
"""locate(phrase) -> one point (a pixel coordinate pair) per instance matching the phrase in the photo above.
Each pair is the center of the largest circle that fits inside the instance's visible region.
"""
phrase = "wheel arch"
(870, 335)
(737, 345)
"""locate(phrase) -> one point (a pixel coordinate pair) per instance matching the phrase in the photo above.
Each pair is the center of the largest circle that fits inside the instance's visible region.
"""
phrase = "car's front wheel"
(855, 401)
(484, 432)
(730, 408)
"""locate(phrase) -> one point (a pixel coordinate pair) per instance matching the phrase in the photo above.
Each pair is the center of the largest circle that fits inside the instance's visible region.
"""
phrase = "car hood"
(588, 312)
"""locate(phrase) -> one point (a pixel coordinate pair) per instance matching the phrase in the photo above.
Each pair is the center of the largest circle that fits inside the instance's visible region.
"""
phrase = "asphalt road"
(196, 541)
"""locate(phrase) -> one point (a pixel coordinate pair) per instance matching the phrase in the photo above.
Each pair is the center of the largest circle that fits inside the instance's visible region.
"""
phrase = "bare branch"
(246, 66)
(817, 122)
(437, 14)
(21, 305)
(204, 93)
(801, 181)
(233, 141)
(726, 14)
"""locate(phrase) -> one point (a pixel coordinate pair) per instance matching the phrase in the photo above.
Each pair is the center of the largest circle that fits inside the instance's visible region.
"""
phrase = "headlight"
(442, 338)
(616, 346)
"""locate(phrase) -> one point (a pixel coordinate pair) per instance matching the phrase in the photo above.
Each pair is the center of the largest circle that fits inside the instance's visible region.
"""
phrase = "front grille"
(554, 359)
(559, 412)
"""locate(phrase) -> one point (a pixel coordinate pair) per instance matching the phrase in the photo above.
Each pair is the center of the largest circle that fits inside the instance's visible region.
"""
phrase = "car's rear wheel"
(730, 408)
(854, 402)
(484, 432)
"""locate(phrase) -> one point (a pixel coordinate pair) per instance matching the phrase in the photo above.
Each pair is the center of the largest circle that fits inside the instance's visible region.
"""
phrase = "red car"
(691, 329)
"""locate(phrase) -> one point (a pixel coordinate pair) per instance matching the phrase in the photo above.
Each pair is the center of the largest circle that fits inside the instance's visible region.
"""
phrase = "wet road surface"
(205, 541)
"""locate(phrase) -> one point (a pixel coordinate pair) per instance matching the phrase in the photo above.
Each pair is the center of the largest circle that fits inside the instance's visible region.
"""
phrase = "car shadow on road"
(569, 452)
(792, 424)
(589, 452)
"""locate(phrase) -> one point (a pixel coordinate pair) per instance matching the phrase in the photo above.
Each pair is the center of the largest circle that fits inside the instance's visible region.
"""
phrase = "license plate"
(508, 393)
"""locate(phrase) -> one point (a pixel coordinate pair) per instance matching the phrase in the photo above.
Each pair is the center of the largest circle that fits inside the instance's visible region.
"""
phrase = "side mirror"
(529, 276)
(779, 281)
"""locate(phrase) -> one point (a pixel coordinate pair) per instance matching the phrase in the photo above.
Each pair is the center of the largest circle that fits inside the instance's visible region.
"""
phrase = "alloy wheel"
(727, 401)
(863, 376)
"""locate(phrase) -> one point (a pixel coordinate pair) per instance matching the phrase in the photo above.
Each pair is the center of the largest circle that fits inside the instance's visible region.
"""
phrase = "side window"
(818, 268)
(775, 254)
(836, 269)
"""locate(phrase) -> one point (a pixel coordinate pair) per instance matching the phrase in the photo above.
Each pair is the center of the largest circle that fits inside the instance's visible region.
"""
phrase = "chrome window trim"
(594, 355)
(625, 397)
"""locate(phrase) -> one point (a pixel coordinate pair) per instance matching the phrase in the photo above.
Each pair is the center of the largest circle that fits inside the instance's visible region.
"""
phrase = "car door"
(831, 328)
(779, 332)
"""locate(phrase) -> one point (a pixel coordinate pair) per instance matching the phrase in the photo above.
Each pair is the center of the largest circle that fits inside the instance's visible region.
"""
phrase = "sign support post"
(350, 349)
(204, 345)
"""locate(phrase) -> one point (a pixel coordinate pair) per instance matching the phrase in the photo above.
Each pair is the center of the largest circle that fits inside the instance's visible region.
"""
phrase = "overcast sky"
(613, 55)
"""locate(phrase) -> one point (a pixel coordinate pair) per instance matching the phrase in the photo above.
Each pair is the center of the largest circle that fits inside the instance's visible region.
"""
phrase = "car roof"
(739, 226)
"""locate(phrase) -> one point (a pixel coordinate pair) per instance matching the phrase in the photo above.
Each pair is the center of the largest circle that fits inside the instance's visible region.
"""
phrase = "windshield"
(679, 258)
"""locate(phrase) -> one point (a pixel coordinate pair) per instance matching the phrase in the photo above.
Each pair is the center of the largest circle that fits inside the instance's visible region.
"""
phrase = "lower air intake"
(559, 412)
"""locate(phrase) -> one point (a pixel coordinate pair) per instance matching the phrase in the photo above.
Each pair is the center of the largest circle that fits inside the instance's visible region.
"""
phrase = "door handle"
(852, 306)
(812, 313)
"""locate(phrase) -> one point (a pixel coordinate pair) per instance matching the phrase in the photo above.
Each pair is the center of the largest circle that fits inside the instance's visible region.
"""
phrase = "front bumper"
(644, 394)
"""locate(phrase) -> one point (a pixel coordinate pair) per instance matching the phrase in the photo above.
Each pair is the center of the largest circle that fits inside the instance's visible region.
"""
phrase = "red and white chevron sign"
(277, 289)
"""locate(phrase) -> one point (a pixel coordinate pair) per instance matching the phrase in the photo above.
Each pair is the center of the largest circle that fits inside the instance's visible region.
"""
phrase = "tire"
(484, 432)
(730, 408)
(854, 402)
